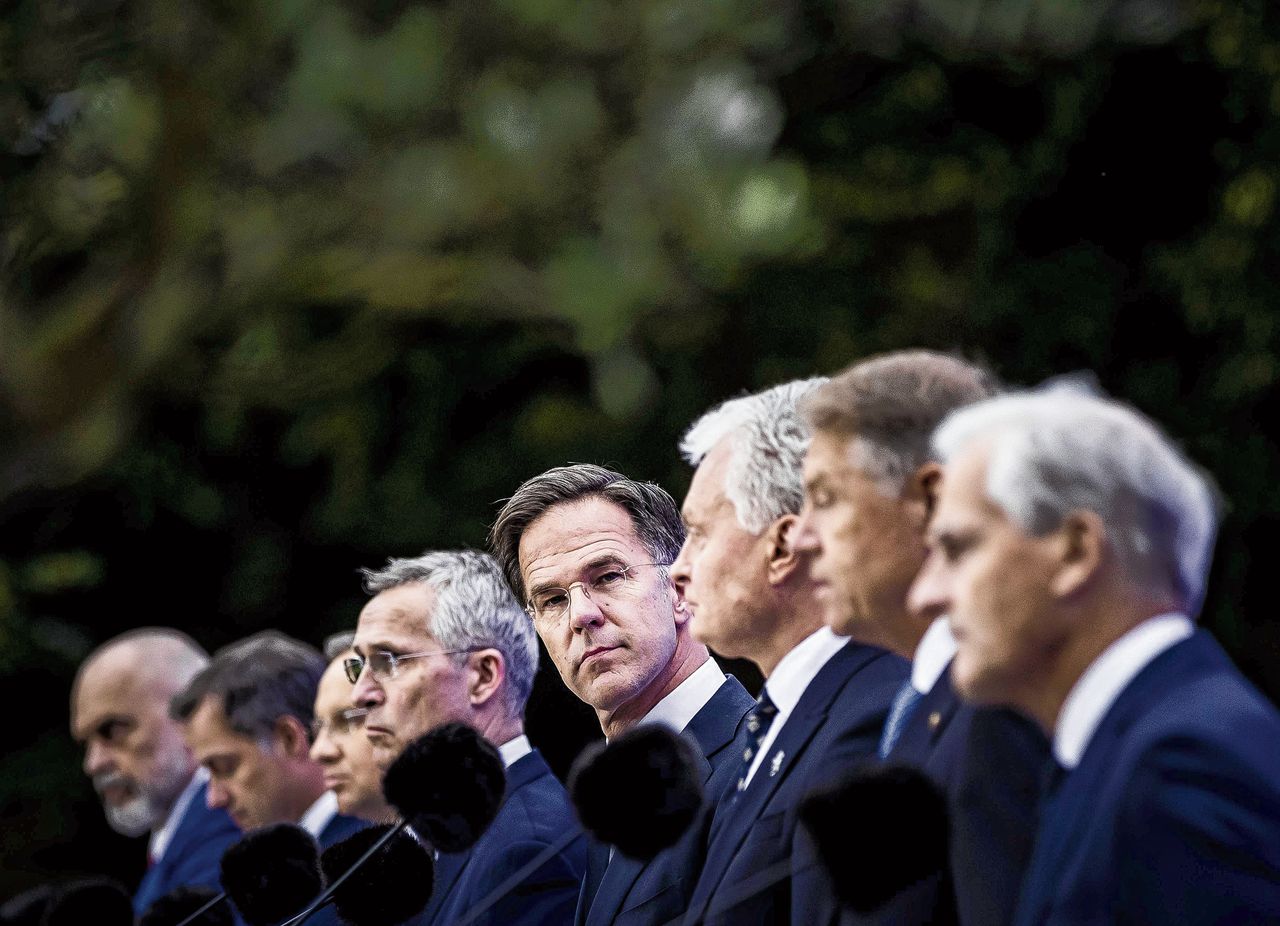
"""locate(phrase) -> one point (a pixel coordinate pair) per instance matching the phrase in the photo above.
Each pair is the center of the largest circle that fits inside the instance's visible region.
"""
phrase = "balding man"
(139, 762)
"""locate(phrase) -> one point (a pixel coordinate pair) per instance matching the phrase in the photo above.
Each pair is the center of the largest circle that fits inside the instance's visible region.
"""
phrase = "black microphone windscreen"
(272, 873)
(640, 792)
(448, 783)
(100, 901)
(394, 885)
(27, 908)
(175, 906)
(878, 831)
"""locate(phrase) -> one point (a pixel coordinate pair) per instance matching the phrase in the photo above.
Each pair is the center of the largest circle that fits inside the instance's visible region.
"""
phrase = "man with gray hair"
(750, 594)
(1071, 547)
(139, 763)
(443, 641)
(622, 645)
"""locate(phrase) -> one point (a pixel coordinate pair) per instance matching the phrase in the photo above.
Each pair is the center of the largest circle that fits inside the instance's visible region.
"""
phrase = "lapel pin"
(776, 762)
(934, 719)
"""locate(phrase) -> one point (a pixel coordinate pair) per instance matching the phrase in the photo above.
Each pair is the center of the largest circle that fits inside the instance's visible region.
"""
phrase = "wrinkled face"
(609, 653)
(867, 544)
(133, 752)
(246, 777)
(721, 569)
(426, 692)
(341, 748)
(993, 580)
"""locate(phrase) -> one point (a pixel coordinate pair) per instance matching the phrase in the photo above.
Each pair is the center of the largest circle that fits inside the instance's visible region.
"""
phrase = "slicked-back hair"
(1061, 449)
(474, 609)
(652, 511)
(764, 479)
(256, 681)
(890, 404)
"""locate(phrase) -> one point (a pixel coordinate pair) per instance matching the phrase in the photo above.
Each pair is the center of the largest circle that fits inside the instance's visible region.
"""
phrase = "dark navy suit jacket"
(192, 856)
(635, 893)
(535, 813)
(835, 725)
(339, 828)
(989, 762)
(1173, 814)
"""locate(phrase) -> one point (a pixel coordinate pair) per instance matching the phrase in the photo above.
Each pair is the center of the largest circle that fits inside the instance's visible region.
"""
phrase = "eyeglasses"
(607, 585)
(383, 665)
(343, 722)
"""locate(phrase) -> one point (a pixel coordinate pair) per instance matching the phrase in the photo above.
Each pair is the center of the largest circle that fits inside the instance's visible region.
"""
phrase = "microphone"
(181, 903)
(394, 890)
(272, 873)
(90, 900)
(655, 772)
(907, 813)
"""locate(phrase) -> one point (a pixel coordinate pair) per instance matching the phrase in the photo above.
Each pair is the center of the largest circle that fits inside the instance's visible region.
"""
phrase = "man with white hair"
(1070, 547)
(443, 641)
(139, 762)
(751, 595)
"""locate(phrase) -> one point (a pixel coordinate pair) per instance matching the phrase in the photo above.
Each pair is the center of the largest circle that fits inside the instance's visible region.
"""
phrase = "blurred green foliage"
(289, 287)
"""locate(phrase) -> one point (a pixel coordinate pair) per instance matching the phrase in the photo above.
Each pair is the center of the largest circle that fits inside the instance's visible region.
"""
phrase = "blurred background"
(289, 287)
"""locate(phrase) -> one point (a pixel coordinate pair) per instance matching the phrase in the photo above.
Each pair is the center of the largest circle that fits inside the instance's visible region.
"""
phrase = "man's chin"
(132, 818)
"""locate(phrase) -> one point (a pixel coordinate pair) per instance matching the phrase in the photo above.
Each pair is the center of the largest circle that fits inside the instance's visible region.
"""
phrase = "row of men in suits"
(998, 589)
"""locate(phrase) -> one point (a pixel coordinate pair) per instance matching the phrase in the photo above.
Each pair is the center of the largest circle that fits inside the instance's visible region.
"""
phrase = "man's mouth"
(596, 651)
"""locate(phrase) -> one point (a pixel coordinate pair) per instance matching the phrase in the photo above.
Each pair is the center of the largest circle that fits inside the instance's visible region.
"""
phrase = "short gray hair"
(764, 480)
(474, 609)
(653, 512)
(1058, 450)
(337, 644)
(257, 681)
(890, 404)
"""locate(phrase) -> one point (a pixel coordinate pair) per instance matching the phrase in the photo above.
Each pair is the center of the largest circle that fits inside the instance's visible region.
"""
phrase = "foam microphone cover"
(878, 831)
(448, 783)
(272, 873)
(640, 792)
(394, 885)
(175, 906)
(27, 908)
(100, 901)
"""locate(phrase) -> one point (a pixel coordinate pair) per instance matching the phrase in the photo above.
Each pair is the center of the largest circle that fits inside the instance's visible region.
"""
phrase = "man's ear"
(783, 558)
(1080, 545)
(922, 488)
(486, 671)
(291, 737)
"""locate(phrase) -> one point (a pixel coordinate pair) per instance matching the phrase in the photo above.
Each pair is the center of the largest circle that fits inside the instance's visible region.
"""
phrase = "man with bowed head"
(140, 764)
(442, 641)
(588, 550)
(1071, 547)
(751, 595)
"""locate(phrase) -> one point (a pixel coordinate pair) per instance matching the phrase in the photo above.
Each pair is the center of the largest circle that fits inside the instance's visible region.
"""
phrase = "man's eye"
(555, 600)
(611, 577)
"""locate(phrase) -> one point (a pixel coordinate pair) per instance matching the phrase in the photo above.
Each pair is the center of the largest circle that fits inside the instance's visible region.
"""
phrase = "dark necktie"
(759, 719)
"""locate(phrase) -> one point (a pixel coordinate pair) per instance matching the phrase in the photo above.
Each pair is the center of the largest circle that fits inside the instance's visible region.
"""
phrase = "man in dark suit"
(442, 641)
(1070, 547)
(139, 762)
(588, 550)
(751, 596)
(870, 484)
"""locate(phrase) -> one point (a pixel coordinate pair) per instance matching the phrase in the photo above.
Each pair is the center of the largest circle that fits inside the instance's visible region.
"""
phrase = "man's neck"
(797, 620)
(688, 659)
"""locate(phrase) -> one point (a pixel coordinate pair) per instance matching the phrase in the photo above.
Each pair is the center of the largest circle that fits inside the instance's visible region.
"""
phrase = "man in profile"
(1071, 547)
(139, 762)
(751, 596)
(588, 550)
(443, 641)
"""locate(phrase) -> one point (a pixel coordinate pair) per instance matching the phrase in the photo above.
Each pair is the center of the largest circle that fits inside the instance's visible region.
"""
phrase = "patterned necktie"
(904, 705)
(759, 719)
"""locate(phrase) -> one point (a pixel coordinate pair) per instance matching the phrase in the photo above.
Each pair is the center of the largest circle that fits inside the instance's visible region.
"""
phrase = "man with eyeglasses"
(338, 742)
(443, 641)
(589, 551)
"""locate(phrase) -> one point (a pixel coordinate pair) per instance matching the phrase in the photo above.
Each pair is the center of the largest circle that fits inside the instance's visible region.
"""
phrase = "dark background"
(290, 288)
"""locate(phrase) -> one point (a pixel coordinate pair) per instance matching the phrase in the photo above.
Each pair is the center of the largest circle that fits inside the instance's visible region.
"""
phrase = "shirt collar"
(686, 699)
(513, 750)
(161, 837)
(1107, 676)
(796, 670)
(320, 814)
(933, 654)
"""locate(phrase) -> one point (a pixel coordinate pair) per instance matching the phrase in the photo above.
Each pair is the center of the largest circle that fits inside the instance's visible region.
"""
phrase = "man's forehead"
(575, 532)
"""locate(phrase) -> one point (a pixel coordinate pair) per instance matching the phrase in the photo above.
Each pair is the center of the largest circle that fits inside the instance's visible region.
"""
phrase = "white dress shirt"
(161, 838)
(690, 696)
(1107, 676)
(933, 654)
(320, 814)
(789, 680)
(513, 750)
